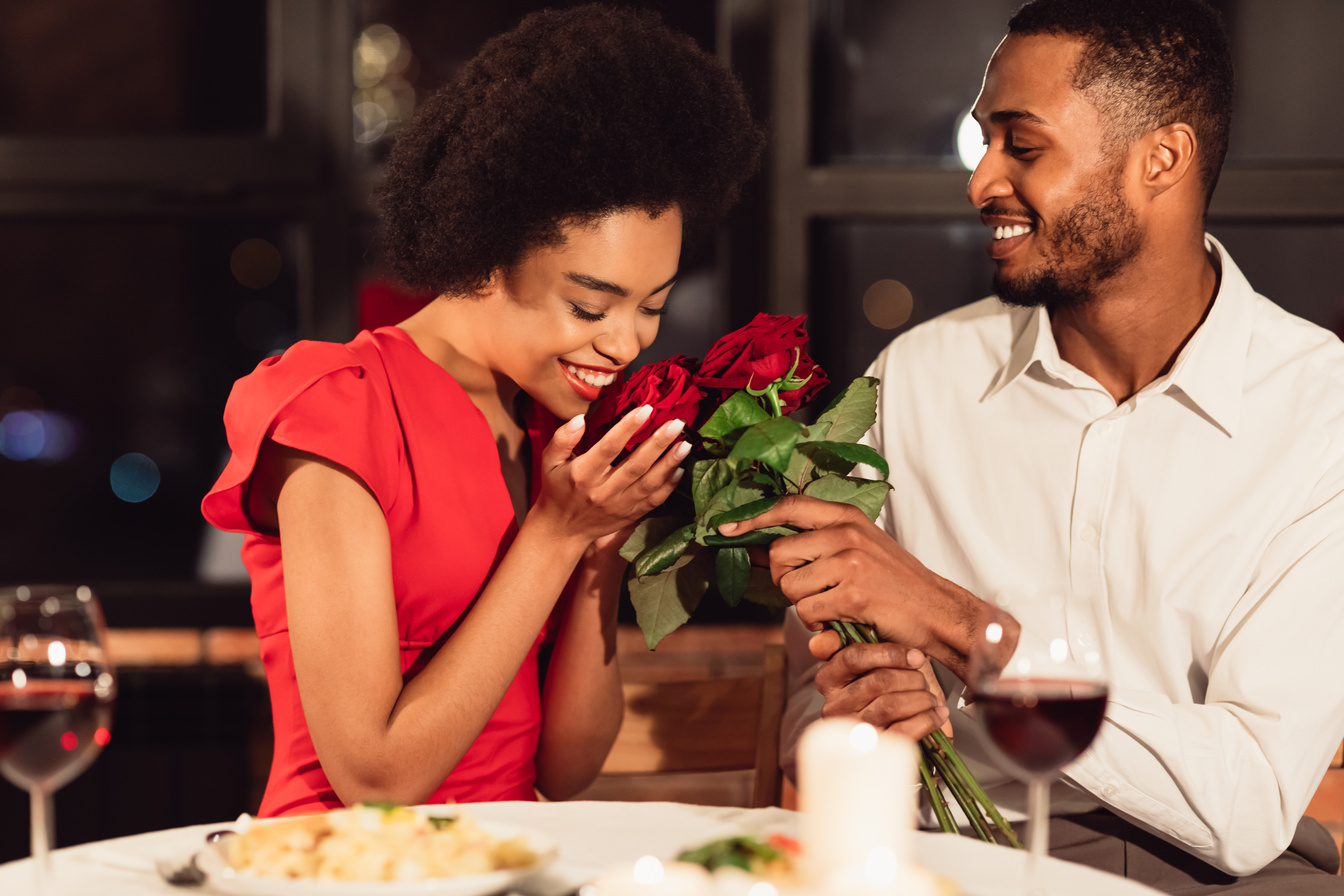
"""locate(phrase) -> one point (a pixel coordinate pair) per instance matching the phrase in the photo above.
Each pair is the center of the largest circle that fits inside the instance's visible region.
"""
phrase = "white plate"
(223, 879)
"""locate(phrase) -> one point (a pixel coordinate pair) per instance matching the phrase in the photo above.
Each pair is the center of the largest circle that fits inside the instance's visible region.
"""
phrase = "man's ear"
(1169, 157)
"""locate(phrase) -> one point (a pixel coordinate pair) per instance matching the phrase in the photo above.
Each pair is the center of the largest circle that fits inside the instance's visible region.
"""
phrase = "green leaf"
(664, 602)
(771, 442)
(851, 414)
(737, 412)
(761, 589)
(865, 494)
(755, 536)
(733, 567)
(647, 533)
(662, 555)
(841, 457)
(708, 478)
(738, 493)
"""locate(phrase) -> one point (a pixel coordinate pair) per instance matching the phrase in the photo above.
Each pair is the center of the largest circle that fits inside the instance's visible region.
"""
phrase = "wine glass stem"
(40, 799)
(1038, 834)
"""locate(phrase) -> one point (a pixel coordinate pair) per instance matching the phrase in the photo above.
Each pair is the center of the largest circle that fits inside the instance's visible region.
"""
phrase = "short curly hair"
(574, 114)
(1148, 63)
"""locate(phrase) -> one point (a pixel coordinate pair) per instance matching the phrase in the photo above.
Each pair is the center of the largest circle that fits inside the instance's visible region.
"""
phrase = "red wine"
(1040, 724)
(50, 731)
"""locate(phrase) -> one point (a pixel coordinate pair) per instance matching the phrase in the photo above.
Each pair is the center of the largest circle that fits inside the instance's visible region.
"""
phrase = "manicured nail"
(575, 422)
(674, 427)
(642, 412)
(682, 449)
(677, 474)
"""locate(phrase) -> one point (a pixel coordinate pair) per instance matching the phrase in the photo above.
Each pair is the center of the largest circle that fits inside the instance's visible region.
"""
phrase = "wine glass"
(57, 687)
(1039, 677)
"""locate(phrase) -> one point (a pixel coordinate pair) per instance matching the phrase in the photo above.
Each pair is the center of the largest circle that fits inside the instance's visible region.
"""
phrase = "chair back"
(680, 739)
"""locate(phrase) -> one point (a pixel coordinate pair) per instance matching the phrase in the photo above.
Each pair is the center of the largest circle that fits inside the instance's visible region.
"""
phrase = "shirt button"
(1087, 534)
(1109, 791)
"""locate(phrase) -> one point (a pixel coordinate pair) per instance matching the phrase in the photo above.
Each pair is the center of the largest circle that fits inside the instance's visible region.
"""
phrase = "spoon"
(188, 873)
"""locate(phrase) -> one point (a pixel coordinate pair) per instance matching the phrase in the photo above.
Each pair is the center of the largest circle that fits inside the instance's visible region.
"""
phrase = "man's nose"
(988, 181)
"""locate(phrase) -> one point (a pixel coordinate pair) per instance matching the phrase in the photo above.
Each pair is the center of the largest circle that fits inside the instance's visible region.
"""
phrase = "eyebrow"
(596, 283)
(1007, 116)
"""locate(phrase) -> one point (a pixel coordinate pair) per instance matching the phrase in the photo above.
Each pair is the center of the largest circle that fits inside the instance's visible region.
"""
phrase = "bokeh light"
(255, 263)
(37, 435)
(887, 304)
(102, 737)
(134, 478)
(69, 740)
(970, 141)
(384, 69)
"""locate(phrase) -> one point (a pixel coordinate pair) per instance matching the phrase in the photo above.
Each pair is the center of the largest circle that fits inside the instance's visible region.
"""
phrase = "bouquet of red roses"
(747, 453)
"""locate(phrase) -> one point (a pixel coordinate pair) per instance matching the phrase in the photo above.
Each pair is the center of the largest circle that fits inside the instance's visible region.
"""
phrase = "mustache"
(999, 211)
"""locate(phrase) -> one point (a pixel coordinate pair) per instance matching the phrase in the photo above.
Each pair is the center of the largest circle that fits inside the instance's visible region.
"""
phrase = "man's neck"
(1131, 333)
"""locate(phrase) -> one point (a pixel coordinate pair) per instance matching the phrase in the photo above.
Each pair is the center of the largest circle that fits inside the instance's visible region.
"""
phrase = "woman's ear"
(1169, 157)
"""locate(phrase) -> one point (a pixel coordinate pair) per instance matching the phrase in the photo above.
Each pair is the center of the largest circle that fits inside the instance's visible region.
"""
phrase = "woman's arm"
(582, 704)
(380, 738)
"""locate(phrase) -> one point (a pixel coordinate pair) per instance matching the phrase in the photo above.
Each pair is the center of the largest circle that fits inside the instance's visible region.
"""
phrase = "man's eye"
(584, 314)
(1019, 150)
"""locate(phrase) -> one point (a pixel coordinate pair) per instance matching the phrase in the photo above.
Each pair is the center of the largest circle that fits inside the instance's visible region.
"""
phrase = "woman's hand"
(585, 495)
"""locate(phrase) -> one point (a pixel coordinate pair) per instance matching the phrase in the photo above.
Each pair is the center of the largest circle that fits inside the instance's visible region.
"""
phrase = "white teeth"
(593, 379)
(1001, 233)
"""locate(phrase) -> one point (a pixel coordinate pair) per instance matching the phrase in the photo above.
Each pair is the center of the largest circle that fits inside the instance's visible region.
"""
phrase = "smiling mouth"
(591, 377)
(1007, 232)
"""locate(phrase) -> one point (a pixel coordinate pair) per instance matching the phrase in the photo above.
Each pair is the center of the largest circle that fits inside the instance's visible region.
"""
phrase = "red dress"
(381, 408)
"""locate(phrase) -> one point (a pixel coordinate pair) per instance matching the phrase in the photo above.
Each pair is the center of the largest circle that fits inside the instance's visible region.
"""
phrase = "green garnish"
(733, 852)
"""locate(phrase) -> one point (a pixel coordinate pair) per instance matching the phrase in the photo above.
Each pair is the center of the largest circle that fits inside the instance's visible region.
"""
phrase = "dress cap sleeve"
(317, 397)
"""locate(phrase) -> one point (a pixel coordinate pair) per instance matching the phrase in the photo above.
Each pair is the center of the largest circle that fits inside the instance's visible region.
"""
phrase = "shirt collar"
(1209, 370)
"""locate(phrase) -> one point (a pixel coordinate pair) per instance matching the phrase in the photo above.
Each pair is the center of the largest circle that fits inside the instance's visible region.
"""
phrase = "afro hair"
(573, 115)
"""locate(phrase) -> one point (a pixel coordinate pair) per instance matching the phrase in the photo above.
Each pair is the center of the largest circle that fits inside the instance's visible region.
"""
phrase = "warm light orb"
(970, 142)
(56, 653)
(762, 888)
(69, 740)
(863, 739)
(994, 633)
(887, 304)
(648, 870)
(1059, 650)
(102, 736)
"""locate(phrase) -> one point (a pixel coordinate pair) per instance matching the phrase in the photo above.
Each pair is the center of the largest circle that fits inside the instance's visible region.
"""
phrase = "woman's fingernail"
(674, 427)
(682, 449)
(575, 422)
(677, 474)
(642, 412)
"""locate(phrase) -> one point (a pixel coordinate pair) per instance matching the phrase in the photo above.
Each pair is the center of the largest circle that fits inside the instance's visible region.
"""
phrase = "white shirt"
(1204, 517)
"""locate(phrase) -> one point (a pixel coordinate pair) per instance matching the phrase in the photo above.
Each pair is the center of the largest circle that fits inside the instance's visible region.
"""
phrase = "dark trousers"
(1107, 842)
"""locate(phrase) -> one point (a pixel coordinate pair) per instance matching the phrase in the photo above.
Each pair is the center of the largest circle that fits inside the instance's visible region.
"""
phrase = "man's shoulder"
(1282, 339)
(981, 332)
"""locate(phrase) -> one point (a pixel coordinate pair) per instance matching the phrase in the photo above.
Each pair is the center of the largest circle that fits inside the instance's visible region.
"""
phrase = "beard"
(1090, 243)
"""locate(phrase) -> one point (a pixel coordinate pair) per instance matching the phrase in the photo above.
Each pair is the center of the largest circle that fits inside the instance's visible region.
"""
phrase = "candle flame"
(863, 738)
(648, 870)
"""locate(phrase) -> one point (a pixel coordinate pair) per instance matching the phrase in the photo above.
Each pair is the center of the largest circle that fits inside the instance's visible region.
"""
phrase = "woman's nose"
(619, 342)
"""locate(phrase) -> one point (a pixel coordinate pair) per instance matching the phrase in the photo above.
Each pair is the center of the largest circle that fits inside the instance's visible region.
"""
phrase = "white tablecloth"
(591, 836)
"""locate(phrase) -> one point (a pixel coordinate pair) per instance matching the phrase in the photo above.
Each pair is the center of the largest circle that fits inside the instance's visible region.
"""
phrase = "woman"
(433, 560)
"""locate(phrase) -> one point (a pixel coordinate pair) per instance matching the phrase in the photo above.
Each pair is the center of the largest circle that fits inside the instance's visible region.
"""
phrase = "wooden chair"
(711, 740)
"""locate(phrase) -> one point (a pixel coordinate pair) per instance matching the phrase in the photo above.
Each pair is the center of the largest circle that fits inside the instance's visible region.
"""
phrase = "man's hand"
(843, 567)
(886, 685)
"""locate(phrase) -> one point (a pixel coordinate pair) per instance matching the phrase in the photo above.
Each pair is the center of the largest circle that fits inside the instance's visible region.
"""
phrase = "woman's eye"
(584, 314)
(654, 312)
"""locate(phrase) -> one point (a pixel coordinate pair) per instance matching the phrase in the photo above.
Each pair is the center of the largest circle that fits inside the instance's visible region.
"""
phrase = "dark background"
(183, 191)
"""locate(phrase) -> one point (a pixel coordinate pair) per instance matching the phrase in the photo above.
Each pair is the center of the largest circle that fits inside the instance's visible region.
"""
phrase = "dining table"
(590, 837)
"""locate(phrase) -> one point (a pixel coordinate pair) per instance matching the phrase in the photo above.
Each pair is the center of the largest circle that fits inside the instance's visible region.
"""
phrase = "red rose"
(668, 386)
(760, 353)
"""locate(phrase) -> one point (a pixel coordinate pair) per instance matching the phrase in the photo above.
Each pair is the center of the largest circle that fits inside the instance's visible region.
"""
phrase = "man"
(1129, 425)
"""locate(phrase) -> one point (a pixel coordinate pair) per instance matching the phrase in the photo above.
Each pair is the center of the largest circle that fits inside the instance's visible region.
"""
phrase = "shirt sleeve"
(1230, 777)
(318, 398)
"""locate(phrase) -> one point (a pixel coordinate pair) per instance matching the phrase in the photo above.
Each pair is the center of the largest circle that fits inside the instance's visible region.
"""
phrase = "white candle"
(857, 793)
